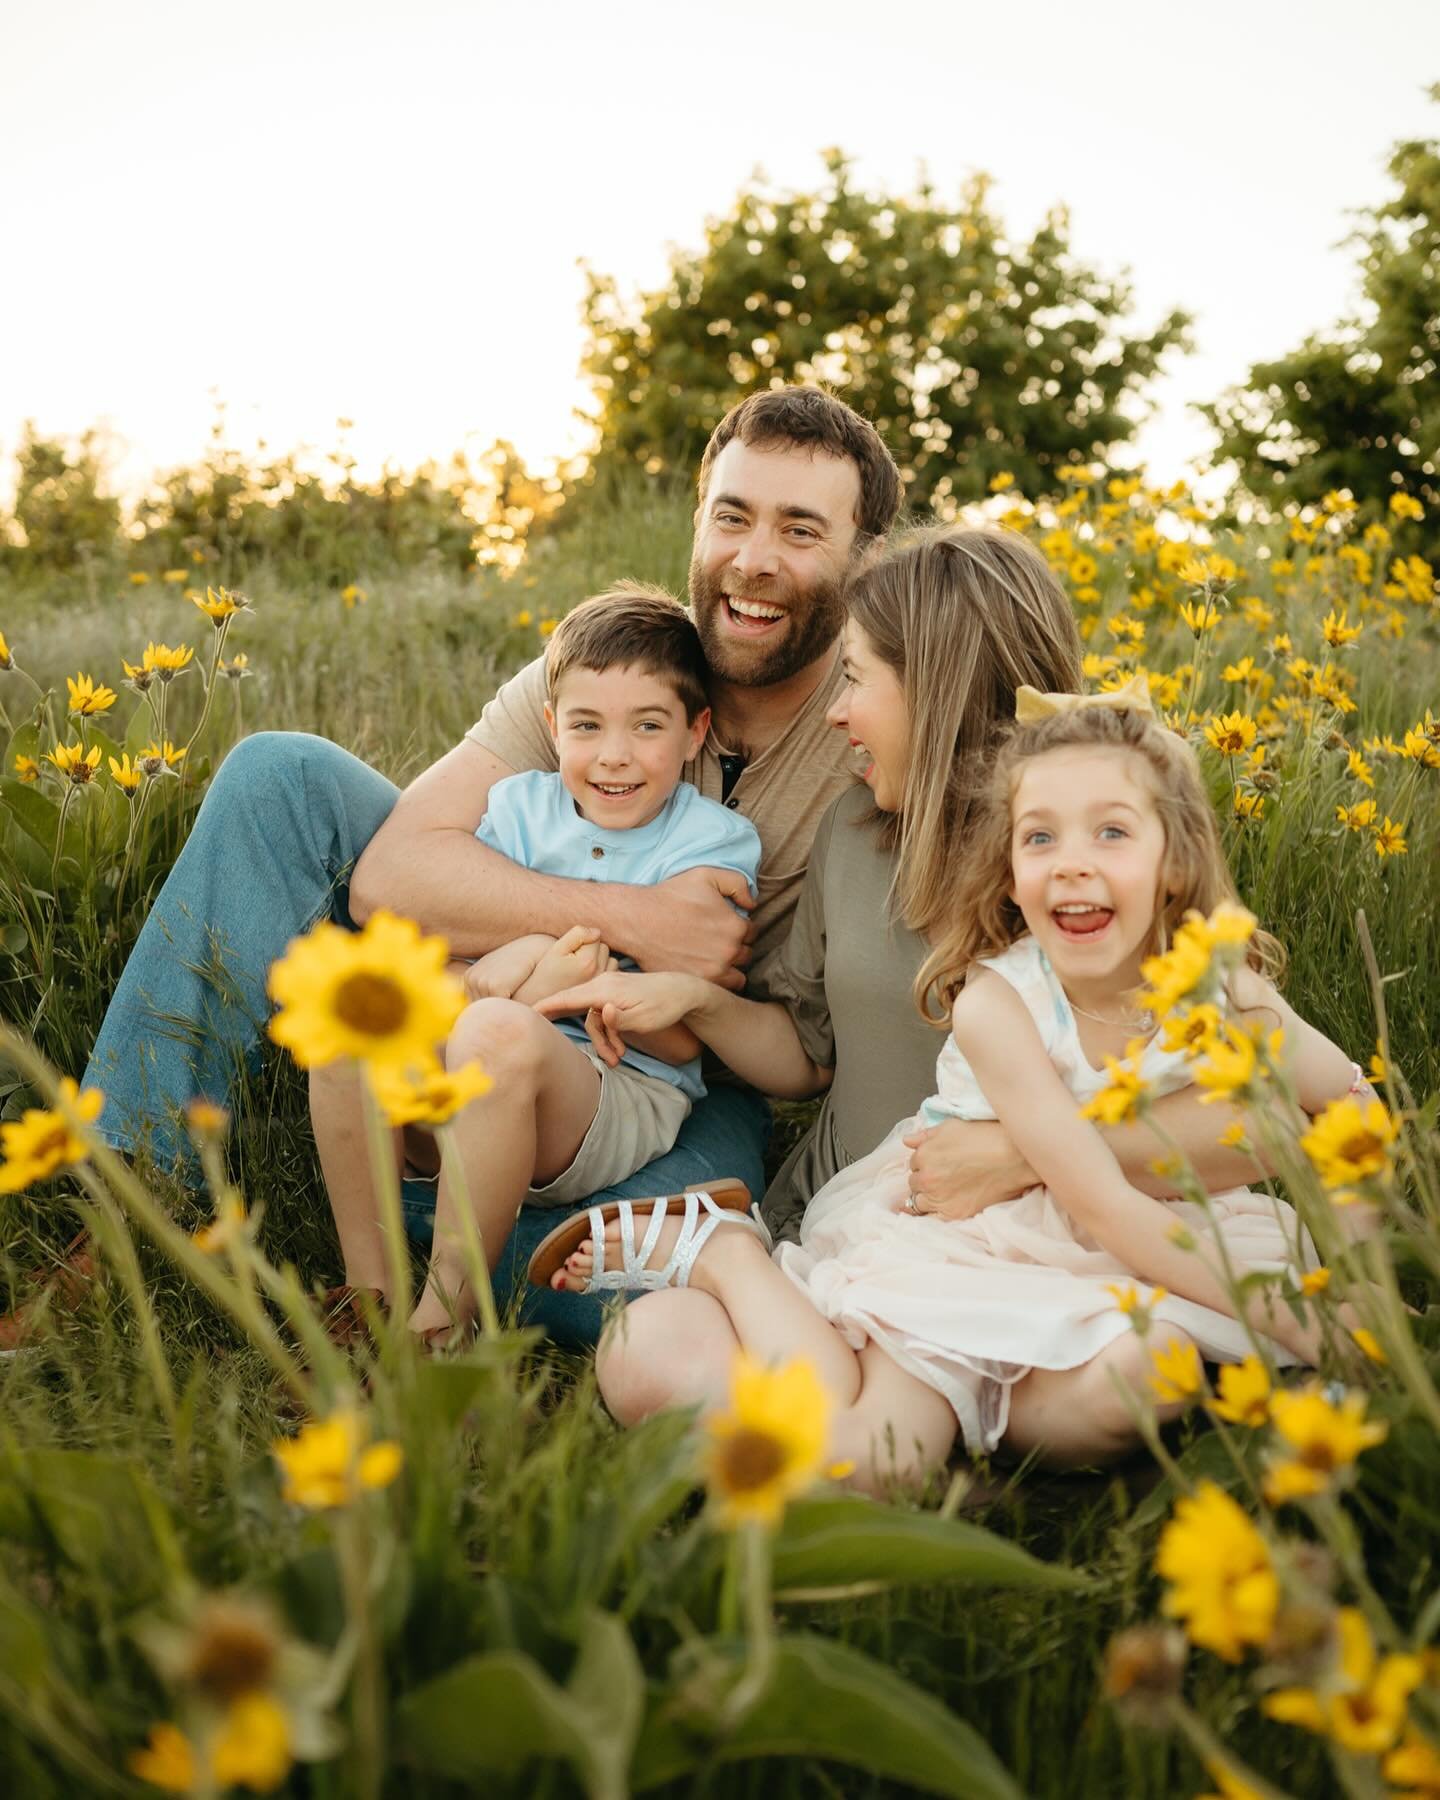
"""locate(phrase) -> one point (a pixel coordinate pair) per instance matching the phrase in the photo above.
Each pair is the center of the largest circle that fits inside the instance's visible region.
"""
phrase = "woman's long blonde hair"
(963, 617)
(983, 919)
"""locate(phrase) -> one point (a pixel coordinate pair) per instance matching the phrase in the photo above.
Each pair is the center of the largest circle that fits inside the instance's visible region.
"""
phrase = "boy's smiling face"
(623, 741)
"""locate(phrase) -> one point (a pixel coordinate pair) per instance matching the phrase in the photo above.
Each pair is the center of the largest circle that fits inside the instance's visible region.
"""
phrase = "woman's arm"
(756, 1039)
(998, 1038)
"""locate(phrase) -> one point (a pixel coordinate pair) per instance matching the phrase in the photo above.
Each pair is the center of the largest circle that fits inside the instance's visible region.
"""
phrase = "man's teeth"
(754, 609)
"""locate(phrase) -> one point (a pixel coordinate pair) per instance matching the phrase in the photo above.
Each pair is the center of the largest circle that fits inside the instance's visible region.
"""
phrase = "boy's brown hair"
(631, 625)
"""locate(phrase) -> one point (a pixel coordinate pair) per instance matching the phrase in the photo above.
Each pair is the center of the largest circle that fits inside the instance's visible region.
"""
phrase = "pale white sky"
(375, 210)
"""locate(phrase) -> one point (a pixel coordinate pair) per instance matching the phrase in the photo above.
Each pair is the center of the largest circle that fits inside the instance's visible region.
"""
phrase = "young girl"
(1096, 839)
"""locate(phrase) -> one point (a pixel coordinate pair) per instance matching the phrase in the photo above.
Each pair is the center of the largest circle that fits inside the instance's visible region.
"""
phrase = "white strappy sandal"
(706, 1208)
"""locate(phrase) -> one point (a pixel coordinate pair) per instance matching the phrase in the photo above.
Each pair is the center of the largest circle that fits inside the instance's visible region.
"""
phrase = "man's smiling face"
(772, 540)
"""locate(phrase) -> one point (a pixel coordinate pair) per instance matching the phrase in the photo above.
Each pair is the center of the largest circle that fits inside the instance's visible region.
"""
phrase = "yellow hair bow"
(1031, 704)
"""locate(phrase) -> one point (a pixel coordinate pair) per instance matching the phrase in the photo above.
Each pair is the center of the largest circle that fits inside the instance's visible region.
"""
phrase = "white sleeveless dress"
(971, 1306)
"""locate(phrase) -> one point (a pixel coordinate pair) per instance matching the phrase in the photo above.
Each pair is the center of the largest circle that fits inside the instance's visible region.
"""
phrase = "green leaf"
(841, 1541)
(494, 1714)
(829, 1702)
(37, 815)
(101, 1514)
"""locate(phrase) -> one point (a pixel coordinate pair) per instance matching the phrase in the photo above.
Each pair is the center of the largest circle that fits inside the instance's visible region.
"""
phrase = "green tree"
(65, 520)
(1357, 407)
(970, 354)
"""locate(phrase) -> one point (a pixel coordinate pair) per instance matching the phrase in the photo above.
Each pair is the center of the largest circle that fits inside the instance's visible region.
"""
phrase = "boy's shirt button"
(596, 850)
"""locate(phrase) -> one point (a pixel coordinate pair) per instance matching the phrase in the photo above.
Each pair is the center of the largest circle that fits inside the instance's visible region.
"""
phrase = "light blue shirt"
(532, 818)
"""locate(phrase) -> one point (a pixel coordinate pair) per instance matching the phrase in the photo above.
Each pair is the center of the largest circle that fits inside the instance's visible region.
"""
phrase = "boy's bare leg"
(337, 1114)
(524, 1132)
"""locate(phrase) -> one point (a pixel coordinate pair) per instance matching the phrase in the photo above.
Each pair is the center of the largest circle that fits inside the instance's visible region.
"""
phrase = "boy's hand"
(577, 957)
(501, 972)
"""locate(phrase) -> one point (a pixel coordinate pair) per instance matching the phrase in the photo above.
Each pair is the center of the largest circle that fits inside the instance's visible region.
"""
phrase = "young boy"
(625, 679)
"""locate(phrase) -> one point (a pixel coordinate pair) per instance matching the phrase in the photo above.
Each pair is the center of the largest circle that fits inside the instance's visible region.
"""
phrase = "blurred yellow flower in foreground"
(1178, 1374)
(253, 1748)
(1406, 506)
(427, 1096)
(1324, 1439)
(1369, 1344)
(1415, 1767)
(1349, 1143)
(329, 1464)
(1231, 1786)
(26, 767)
(381, 995)
(770, 1445)
(86, 699)
(75, 761)
(1231, 1064)
(1315, 1281)
(41, 1143)
(1362, 1706)
(1120, 1098)
(1222, 1586)
(168, 1760)
(1244, 1393)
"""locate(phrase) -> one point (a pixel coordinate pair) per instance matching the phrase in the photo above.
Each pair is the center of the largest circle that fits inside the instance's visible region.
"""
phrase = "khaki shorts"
(638, 1119)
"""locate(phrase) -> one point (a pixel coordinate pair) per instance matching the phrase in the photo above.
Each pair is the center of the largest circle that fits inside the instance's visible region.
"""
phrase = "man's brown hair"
(809, 416)
(631, 625)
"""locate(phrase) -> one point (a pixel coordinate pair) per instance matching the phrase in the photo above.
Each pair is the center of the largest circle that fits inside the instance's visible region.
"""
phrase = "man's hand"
(689, 925)
(579, 956)
(959, 1168)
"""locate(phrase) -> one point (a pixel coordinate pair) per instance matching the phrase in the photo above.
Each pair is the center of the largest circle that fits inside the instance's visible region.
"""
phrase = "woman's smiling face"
(871, 709)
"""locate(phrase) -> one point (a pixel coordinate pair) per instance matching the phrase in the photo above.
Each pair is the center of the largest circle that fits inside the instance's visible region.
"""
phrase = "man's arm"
(426, 863)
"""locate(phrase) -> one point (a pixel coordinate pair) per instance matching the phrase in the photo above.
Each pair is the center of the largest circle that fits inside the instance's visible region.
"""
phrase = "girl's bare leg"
(524, 1131)
(1075, 1416)
(676, 1347)
(337, 1113)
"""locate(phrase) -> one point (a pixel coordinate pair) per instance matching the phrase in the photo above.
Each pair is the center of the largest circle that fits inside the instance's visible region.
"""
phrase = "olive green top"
(846, 973)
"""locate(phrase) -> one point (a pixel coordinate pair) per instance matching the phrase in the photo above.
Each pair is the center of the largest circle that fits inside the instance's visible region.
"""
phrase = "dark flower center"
(750, 1459)
(372, 1004)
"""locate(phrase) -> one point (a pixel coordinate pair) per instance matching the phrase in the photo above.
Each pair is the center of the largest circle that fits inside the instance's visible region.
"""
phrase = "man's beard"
(813, 622)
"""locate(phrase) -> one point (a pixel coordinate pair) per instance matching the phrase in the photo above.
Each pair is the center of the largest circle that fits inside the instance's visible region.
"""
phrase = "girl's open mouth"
(1082, 922)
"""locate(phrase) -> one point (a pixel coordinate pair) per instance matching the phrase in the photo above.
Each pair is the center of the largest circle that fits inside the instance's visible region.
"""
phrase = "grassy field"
(538, 1603)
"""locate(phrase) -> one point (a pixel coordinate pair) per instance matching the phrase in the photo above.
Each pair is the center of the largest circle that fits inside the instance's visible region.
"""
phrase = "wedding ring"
(910, 1205)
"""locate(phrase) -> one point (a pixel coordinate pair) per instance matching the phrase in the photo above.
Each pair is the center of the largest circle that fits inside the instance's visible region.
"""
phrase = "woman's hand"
(620, 1004)
(959, 1168)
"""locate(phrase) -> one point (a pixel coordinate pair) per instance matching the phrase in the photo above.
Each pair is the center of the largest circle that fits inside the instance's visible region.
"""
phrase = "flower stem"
(760, 1642)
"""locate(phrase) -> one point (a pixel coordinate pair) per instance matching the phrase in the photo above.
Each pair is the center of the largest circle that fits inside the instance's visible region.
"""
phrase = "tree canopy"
(971, 354)
(1357, 407)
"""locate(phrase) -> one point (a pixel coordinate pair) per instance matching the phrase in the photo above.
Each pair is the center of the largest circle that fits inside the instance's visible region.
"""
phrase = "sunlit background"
(376, 212)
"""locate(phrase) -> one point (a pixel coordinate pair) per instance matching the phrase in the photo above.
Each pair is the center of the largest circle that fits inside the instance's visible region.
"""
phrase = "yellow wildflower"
(1231, 1064)
(329, 1463)
(1414, 1768)
(219, 604)
(176, 576)
(1244, 670)
(1234, 1137)
(225, 1228)
(137, 676)
(1357, 766)
(1406, 506)
(1348, 1144)
(1120, 1098)
(353, 595)
(1191, 1030)
(125, 774)
(7, 659)
(41, 1143)
(86, 699)
(1337, 632)
(523, 617)
(1369, 1344)
(1083, 569)
(1280, 644)
(1358, 817)
(770, 1445)
(253, 1747)
(1314, 1281)
(1128, 1299)
(1247, 804)
(1231, 735)
(1222, 1586)
(156, 759)
(1228, 926)
(427, 1096)
(1200, 618)
(1230, 1785)
(168, 1760)
(999, 483)
(166, 663)
(26, 767)
(547, 626)
(1176, 973)
(235, 668)
(1324, 1439)
(138, 578)
(1178, 1374)
(1362, 1708)
(75, 761)
(206, 1119)
(1244, 1393)
(381, 995)
(1418, 748)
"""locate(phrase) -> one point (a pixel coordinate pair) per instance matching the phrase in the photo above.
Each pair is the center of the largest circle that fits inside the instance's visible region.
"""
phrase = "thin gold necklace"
(1132, 1022)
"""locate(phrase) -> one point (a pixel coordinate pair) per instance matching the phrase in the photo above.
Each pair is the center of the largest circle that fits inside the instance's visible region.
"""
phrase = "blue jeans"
(270, 855)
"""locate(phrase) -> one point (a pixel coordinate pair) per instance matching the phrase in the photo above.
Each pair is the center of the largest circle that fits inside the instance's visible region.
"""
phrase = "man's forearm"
(477, 899)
